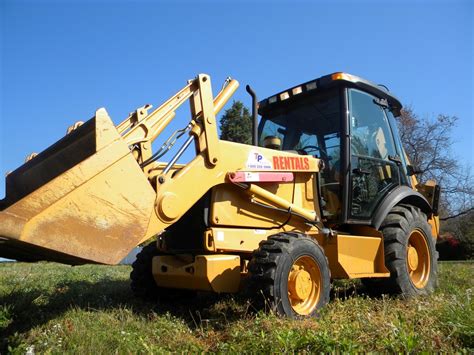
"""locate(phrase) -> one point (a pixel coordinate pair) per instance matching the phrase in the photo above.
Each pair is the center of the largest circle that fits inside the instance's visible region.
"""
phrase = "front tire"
(410, 253)
(291, 272)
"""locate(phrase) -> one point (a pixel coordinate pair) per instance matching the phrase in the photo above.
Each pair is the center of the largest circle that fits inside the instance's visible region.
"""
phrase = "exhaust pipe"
(254, 115)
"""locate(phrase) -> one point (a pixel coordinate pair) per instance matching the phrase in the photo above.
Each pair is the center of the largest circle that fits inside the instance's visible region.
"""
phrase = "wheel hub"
(304, 285)
(412, 258)
(300, 284)
(418, 259)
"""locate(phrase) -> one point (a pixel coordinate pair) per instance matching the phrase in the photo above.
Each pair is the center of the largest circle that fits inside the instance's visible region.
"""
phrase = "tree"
(428, 145)
(236, 124)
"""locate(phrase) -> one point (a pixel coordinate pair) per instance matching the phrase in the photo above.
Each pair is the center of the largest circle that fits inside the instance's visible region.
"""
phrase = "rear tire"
(291, 273)
(410, 254)
(143, 284)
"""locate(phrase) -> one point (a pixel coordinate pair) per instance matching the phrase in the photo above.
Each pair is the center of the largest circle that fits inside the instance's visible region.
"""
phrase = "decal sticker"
(291, 163)
(256, 160)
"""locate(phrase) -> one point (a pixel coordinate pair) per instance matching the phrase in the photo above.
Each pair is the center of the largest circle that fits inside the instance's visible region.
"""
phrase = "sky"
(61, 60)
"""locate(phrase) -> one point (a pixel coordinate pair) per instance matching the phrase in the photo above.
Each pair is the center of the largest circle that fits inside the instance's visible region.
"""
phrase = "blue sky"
(61, 60)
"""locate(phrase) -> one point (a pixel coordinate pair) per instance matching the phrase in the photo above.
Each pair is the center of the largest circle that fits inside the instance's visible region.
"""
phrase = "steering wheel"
(309, 148)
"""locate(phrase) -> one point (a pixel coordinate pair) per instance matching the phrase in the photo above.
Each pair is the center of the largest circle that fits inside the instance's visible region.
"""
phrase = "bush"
(457, 240)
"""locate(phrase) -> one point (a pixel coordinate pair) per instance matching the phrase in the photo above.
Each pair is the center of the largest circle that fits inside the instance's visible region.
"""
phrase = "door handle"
(395, 158)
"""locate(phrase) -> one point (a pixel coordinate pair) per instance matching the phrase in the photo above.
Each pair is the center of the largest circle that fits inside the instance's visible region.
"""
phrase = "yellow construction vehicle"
(324, 192)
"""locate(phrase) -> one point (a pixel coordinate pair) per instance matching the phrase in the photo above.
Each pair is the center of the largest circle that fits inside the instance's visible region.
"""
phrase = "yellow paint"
(254, 189)
(434, 223)
(232, 207)
(218, 273)
(105, 205)
(427, 189)
(90, 211)
(352, 256)
(418, 259)
(236, 239)
(304, 285)
(101, 208)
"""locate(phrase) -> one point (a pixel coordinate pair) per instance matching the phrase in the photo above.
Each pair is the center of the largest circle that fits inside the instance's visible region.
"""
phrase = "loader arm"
(100, 191)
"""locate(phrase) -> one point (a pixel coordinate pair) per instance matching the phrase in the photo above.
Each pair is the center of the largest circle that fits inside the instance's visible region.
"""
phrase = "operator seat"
(331, 189)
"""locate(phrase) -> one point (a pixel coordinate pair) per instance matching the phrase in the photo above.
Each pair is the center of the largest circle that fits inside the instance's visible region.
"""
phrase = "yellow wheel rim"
(418, 259)
(304, 285)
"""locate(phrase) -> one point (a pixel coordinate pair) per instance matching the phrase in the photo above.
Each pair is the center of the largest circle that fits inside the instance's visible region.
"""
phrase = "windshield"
(312, 126)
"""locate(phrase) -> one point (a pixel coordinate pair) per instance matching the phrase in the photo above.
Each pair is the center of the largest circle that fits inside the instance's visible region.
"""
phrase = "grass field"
(52, 308)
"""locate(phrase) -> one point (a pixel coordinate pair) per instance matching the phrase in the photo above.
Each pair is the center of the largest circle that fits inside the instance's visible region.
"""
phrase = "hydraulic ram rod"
(150, 127)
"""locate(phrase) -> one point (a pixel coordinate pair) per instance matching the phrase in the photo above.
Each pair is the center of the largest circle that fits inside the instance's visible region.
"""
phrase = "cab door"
(374, 164)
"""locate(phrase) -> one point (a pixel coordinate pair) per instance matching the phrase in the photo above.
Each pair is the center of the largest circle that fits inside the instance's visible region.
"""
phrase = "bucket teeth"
(31, 156)
(74, 127)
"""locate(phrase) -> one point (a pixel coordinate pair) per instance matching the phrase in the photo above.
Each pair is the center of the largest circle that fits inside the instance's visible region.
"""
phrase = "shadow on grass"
(344, 290)
(32, 307)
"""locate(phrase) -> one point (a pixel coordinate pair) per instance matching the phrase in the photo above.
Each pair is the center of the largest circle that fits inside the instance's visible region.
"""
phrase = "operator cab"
(349, 124)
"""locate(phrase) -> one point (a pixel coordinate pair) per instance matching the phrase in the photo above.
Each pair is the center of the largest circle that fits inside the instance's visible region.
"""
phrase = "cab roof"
(328, 81)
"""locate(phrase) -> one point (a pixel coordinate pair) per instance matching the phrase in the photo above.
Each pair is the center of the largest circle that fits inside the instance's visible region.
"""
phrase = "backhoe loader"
(325, 191)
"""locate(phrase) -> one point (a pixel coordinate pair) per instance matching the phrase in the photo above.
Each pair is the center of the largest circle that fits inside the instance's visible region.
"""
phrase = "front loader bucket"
(84, 199)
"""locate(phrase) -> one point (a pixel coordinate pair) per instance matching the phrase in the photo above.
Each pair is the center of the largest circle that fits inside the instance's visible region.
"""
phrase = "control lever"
(360, 171)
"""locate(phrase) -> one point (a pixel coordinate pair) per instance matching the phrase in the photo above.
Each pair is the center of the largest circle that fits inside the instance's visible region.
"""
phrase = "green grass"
(52, 308)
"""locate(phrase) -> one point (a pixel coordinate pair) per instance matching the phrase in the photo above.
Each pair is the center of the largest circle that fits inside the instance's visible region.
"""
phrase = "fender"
(401, 194)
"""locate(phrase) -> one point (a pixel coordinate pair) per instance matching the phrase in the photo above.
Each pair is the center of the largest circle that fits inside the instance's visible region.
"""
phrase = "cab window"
(373, 170)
